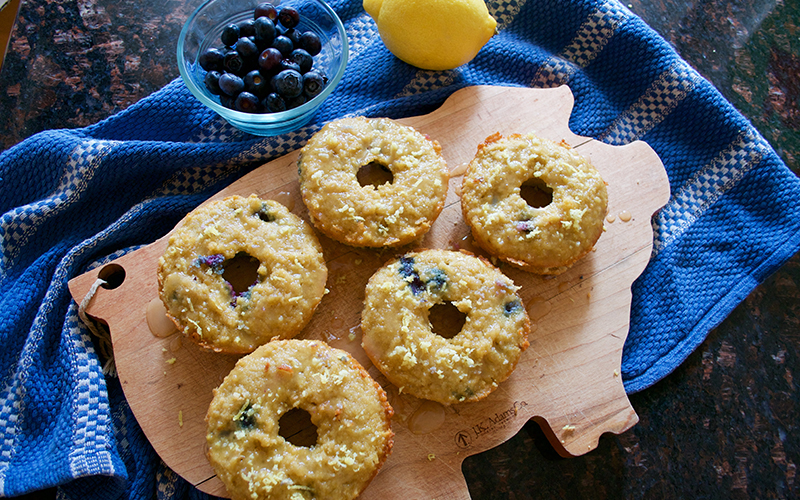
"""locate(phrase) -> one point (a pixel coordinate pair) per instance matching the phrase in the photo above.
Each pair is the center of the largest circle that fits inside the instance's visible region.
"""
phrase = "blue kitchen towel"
(74, 199)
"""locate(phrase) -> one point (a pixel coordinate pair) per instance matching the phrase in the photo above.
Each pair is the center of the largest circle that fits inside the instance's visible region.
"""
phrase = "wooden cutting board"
(568, 380)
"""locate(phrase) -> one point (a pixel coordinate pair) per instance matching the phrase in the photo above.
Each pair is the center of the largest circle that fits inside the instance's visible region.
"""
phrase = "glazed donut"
(391, 214)
(546, 239)
(284, 284)
(398, 337)
(348, 408)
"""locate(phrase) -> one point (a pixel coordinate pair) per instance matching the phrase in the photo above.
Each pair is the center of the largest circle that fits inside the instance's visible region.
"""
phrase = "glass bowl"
(202, 31)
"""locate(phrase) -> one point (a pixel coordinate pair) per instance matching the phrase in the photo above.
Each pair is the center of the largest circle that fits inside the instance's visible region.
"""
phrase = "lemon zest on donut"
(577, 214)
(211, 231)
(199, 329)
(408, 358)
(391, 219)
(532, 234)
(332, 141)
(449, 352)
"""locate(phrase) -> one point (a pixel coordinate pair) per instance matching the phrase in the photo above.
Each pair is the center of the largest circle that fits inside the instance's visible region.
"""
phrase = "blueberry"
(231, 84)
(310, 42)
(295, 102)
(293, 35)
(303, 59)
(265, 30)
(227, 101)
(255, 83)
(288, 83)
(289, 17)
(274, 103)
(214, 261)
(247, 28)
(211, 81)
(313, 83)
(246, 102)
(512, 307)
(211, 59)
(230, 34)
(233, 62)
(288, 64)
(246, 48)
(266, 10)
(283, 44)
(269, 59)
(411, 276)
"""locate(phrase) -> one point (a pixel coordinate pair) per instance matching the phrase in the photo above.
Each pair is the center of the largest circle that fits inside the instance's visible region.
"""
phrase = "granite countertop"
(720, 426)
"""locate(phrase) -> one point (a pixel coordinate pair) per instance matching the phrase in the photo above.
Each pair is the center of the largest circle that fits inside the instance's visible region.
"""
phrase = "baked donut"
(399, 339)
(348, 408)
(388, 215)
(544, 239)
(240, 271)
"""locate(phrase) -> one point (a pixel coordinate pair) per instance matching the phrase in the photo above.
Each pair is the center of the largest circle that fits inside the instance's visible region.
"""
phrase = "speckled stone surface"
(721, 426)
(73, 63)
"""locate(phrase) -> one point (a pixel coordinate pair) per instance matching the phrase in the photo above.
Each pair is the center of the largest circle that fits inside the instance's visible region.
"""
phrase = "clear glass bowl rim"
(256, 120)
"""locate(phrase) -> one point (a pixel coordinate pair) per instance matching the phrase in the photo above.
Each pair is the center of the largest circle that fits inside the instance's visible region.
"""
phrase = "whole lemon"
(433, 34)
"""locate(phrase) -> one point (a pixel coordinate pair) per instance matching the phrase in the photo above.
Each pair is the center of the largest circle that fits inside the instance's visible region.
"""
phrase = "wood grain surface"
(568, 380)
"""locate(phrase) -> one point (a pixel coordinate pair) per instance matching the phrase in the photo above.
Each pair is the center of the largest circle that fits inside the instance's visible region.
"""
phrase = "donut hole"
(536, 193)
(446, 320)
(374, 174)
(296, 427)
(241, 272)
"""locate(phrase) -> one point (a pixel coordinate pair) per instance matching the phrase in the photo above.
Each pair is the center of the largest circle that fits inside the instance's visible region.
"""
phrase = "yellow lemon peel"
(433, 34)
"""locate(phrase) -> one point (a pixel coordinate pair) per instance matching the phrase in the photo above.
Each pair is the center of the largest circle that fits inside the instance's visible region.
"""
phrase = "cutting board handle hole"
(446, 320)
(374, 174)
(113, 275)
(296, 427)
(536, 193)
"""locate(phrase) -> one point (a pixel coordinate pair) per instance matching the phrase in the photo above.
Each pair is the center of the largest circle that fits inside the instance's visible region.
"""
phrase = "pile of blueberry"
(265, 64)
